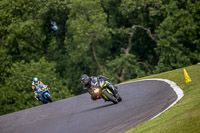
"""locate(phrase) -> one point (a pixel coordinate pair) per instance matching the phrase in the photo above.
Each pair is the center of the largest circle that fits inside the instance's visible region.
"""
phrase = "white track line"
(179, 92)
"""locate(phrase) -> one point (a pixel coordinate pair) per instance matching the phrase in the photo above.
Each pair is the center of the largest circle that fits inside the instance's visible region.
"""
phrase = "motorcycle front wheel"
(110, 97)
(49, 98)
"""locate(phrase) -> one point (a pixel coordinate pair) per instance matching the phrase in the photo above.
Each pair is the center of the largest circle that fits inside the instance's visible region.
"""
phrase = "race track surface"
(141, 101)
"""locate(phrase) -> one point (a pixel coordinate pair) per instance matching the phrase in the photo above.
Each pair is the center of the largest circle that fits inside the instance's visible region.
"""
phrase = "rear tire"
(110, 97)
(119, 98)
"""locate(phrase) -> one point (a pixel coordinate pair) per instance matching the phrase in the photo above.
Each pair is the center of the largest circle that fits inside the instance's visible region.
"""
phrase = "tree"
(133, 26)
(178, 43)
(17, 93)
(20, 31)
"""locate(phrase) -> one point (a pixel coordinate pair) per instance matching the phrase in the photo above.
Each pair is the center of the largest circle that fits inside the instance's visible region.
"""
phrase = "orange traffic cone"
(187, 77)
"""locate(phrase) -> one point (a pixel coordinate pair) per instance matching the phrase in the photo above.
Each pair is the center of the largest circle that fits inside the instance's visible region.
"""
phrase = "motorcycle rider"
(35, 85)
(86, 81)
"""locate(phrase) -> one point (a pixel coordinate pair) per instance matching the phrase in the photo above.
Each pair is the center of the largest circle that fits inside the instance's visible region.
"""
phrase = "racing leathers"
(34, 87)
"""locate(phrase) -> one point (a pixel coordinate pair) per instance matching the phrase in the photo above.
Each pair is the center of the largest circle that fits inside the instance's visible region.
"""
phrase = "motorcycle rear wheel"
(119, 98)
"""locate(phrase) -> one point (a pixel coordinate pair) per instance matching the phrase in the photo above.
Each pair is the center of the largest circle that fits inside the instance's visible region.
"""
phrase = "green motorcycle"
(99, 90)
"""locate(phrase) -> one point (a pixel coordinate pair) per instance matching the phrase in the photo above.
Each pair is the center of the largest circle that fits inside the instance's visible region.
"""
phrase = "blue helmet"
(85, 79)
(36, 81)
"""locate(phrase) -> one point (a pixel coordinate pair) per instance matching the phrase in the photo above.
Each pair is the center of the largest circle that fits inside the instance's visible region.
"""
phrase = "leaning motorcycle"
(44, 93)
(99, 90)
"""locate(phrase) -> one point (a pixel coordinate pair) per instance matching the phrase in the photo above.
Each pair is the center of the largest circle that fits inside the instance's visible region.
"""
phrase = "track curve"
(142, 101)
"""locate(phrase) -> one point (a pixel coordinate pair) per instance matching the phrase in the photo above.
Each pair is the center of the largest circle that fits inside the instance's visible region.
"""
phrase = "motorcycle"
(44, 93)
(99, 90)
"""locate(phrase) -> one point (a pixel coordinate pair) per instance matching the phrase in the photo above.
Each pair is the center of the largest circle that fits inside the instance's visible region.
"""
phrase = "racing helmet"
(85, 79)
(36, 81)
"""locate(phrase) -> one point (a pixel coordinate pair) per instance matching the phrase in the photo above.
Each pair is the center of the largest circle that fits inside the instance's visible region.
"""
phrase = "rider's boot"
(37, 97)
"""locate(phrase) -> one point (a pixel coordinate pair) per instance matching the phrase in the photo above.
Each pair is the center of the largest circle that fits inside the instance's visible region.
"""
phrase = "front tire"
(49, 98)
(110, 97)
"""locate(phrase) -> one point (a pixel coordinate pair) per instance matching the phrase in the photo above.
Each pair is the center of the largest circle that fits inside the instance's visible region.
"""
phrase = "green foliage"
(86, 25)
(5, 60)
(178, 42)
(17, 92)
(91, 37)
(185, 114)
(21, 31)
(126, 63)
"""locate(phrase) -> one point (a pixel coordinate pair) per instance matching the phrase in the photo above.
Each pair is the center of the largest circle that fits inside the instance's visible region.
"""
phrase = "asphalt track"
(141, 101)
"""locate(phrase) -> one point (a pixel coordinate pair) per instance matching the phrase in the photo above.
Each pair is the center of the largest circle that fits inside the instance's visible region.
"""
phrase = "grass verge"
(184, 116)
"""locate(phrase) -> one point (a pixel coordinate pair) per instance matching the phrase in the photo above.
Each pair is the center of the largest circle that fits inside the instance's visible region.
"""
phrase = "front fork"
(46, 93)
(111, 88)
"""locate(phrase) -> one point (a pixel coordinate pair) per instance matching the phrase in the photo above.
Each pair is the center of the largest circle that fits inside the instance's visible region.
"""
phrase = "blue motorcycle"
(44, 93)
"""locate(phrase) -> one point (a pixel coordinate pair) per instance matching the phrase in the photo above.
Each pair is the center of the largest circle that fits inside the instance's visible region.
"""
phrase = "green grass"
(184, 116)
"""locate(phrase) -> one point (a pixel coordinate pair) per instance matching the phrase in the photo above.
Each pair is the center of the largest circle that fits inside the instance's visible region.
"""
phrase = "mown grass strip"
(184, 116)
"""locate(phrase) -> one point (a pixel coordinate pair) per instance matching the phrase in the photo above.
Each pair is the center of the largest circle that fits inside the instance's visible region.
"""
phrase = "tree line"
(59, 40)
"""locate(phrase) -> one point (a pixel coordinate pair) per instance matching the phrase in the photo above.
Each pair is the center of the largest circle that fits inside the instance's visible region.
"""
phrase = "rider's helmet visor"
(36, 82)
(85, 81)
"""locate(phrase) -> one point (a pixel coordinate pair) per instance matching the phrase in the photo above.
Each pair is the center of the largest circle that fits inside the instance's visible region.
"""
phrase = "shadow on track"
(99, 107)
